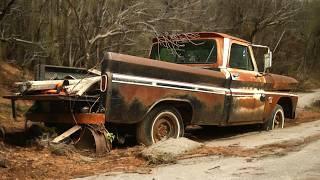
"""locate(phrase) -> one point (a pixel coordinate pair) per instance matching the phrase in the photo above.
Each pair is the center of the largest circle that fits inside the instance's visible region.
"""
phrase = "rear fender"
(184, 107)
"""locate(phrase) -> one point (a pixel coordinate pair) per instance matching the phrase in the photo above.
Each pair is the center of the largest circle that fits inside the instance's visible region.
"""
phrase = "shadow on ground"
(196, 133)
(207, 133)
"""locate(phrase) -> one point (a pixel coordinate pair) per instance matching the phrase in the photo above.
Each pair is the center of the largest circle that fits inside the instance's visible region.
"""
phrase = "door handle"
(235, 75)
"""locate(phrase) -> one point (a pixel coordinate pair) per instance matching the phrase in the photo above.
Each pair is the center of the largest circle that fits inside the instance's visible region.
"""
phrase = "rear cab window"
(186, 52)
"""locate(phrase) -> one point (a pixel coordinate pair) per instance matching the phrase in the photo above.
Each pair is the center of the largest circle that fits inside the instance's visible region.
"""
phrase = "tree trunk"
(3, 50)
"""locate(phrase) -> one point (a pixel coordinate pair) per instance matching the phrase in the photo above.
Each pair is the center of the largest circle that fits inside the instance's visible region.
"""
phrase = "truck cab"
(232, 57)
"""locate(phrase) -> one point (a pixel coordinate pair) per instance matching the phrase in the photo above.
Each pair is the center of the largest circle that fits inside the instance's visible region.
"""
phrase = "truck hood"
(277, 82)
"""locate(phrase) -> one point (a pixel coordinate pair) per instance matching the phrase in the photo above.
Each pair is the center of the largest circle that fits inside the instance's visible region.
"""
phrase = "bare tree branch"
(6, 9)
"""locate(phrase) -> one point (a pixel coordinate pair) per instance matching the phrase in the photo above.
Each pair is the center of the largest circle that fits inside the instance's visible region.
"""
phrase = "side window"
(240, 57)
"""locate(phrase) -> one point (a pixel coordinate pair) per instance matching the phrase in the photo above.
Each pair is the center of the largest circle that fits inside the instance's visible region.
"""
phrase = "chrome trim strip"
(279, 93)
(128, 79)
(136, 80)
(256, 91)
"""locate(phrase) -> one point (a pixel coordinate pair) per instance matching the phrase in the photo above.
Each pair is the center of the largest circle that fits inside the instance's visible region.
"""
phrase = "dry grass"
(32, 163)
(10, 73)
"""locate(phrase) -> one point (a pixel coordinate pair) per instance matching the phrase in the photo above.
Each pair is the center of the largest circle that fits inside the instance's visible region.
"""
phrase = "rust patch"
(278, 82)
(137, 99)
(77, 118)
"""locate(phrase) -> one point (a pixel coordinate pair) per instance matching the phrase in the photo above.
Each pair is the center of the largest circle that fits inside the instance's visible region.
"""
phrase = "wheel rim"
(166, 125)
(278, 120)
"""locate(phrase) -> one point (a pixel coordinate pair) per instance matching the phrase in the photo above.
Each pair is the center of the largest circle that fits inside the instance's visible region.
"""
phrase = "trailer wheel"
(160, 123)
(276, 120)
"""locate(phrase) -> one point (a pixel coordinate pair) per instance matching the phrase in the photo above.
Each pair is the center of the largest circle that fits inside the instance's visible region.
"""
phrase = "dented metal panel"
(247, 104)
(135, 95)
(136, 100)
(277, 82)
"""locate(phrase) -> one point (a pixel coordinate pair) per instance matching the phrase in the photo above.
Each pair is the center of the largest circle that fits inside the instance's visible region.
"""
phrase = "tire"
(160, 123)
(276, 120)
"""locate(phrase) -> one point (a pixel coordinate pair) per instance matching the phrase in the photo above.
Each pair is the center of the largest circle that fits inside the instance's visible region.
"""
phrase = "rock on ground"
(167, 151)
(3, 163)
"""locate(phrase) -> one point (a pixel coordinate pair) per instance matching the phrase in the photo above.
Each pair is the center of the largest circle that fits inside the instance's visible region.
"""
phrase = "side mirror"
(267, 61)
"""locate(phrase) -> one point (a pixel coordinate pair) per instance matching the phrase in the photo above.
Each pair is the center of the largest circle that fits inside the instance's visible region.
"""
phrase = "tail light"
(103, 83)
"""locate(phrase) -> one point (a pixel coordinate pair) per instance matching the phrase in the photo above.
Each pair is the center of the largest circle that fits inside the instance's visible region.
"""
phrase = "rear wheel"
(276, 120)
(160, 124)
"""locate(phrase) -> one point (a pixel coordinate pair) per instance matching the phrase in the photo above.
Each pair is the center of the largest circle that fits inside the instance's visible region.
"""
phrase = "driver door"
(247, 102)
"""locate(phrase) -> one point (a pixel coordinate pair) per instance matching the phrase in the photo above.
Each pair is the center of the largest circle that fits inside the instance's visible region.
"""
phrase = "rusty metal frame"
(69, 118)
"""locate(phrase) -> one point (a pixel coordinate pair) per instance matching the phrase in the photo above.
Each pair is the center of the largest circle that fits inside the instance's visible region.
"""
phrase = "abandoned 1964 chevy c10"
(203, 78)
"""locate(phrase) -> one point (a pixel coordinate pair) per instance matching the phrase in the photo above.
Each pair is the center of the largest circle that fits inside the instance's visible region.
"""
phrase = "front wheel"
(160, 124)
(276, 120)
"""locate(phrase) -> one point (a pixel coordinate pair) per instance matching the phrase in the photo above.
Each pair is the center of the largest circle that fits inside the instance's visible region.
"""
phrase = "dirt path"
(257, 139)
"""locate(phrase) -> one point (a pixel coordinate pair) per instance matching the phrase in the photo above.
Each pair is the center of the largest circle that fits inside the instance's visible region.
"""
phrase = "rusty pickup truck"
(204, 78)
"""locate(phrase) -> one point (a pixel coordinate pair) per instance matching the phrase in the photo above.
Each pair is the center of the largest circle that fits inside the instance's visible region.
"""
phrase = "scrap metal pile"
(73, 87)
(70, 99)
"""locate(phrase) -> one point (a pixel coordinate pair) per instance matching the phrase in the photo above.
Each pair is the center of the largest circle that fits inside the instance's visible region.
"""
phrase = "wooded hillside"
(77, 32)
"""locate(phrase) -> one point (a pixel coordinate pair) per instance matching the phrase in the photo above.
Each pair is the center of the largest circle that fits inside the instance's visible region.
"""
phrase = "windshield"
(191, 52)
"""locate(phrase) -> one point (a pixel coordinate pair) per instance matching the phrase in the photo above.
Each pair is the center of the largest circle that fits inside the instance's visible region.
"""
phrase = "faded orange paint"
(77, 118)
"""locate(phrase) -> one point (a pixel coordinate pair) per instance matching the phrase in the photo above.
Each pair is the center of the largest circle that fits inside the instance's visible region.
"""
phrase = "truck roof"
(196, 35)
